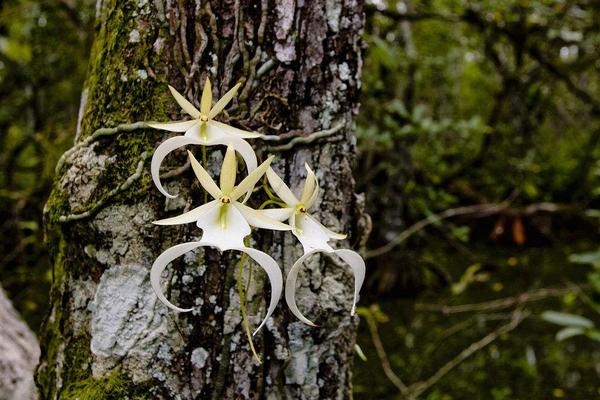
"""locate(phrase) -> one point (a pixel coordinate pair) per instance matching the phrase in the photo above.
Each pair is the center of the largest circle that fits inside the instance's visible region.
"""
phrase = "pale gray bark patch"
(82, 174)
(19, 354)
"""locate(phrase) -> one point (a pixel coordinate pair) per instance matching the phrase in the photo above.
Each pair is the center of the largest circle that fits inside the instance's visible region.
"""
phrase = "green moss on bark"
(115, 386)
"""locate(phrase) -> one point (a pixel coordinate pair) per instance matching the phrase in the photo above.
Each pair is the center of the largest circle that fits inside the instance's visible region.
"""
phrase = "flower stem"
(242, 293)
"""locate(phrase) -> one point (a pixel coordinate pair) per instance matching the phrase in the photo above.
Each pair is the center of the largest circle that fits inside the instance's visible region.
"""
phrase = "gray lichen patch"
(125, 227)
(303, 365)
(82, 175)
(128, 323)
(199, 357)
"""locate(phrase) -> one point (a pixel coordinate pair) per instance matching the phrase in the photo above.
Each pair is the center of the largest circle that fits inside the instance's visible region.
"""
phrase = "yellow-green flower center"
(300, 209)
(225, 200)
(223, 212)
(204, 118)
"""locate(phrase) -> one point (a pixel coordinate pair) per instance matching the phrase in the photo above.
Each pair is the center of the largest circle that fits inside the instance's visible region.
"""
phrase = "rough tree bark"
(107, 335)
(19, 351)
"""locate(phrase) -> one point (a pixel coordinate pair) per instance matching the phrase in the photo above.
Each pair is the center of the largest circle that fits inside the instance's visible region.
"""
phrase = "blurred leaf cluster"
(478, 134)
(43, 56)
(475, 102)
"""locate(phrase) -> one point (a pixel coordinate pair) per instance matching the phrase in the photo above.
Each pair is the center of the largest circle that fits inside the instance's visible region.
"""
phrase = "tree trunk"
(107, 335)
(20, 353)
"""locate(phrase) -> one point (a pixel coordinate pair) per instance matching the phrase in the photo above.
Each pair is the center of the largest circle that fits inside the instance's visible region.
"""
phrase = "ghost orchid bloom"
(310, 232)
(225, 223)
(313, 236)
(202, 130)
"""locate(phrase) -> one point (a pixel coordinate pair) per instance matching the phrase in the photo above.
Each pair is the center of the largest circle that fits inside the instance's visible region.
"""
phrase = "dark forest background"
(478, 157)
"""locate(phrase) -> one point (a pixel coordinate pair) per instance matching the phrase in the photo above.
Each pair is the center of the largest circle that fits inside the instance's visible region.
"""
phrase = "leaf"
(518, 231)
(593, 334)
(594, 279)
(468, 277)
(359, 352)
(568, 332)
(591, 257)
(566, 319)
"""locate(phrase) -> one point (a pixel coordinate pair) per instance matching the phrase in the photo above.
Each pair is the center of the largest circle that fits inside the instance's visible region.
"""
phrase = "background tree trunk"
(20, 353)
(106, 333)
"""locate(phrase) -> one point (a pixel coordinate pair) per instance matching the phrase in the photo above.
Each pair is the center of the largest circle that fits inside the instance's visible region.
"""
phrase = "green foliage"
(43, 57)
(115, 386)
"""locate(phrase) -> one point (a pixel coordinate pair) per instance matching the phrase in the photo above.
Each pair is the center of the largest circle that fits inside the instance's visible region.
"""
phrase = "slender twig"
(477, 211)
(414, 390)
(124, 186)
(534, 295)
(418, 388)
(481, 210)
(381, 353)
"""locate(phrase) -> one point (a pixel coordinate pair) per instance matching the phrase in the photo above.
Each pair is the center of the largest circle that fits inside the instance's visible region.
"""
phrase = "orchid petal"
(260, 220)
(329, 232)
(311, 200)
(190, 216)
(184, 104)
(357, 264)
(230, 130)
(273, 271)
(269, 265)
(311, 234)
(290, 288)
(353, 259)
(214, 134)
(206, 100)
(248, 183)
(310, 185)
(205, 180)
(223, 101)
(242, 147)
(177, 126)
(159, 266)
(228, 171)
(224, 226)
(247, 153)
(281, 189)
(194, 132)
(278, 214)
(161, 152)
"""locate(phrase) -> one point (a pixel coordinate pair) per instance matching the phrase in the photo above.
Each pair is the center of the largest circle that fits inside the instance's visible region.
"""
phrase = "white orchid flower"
(313, 236)
(225, 223)
(202, 130)
(310, 232)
